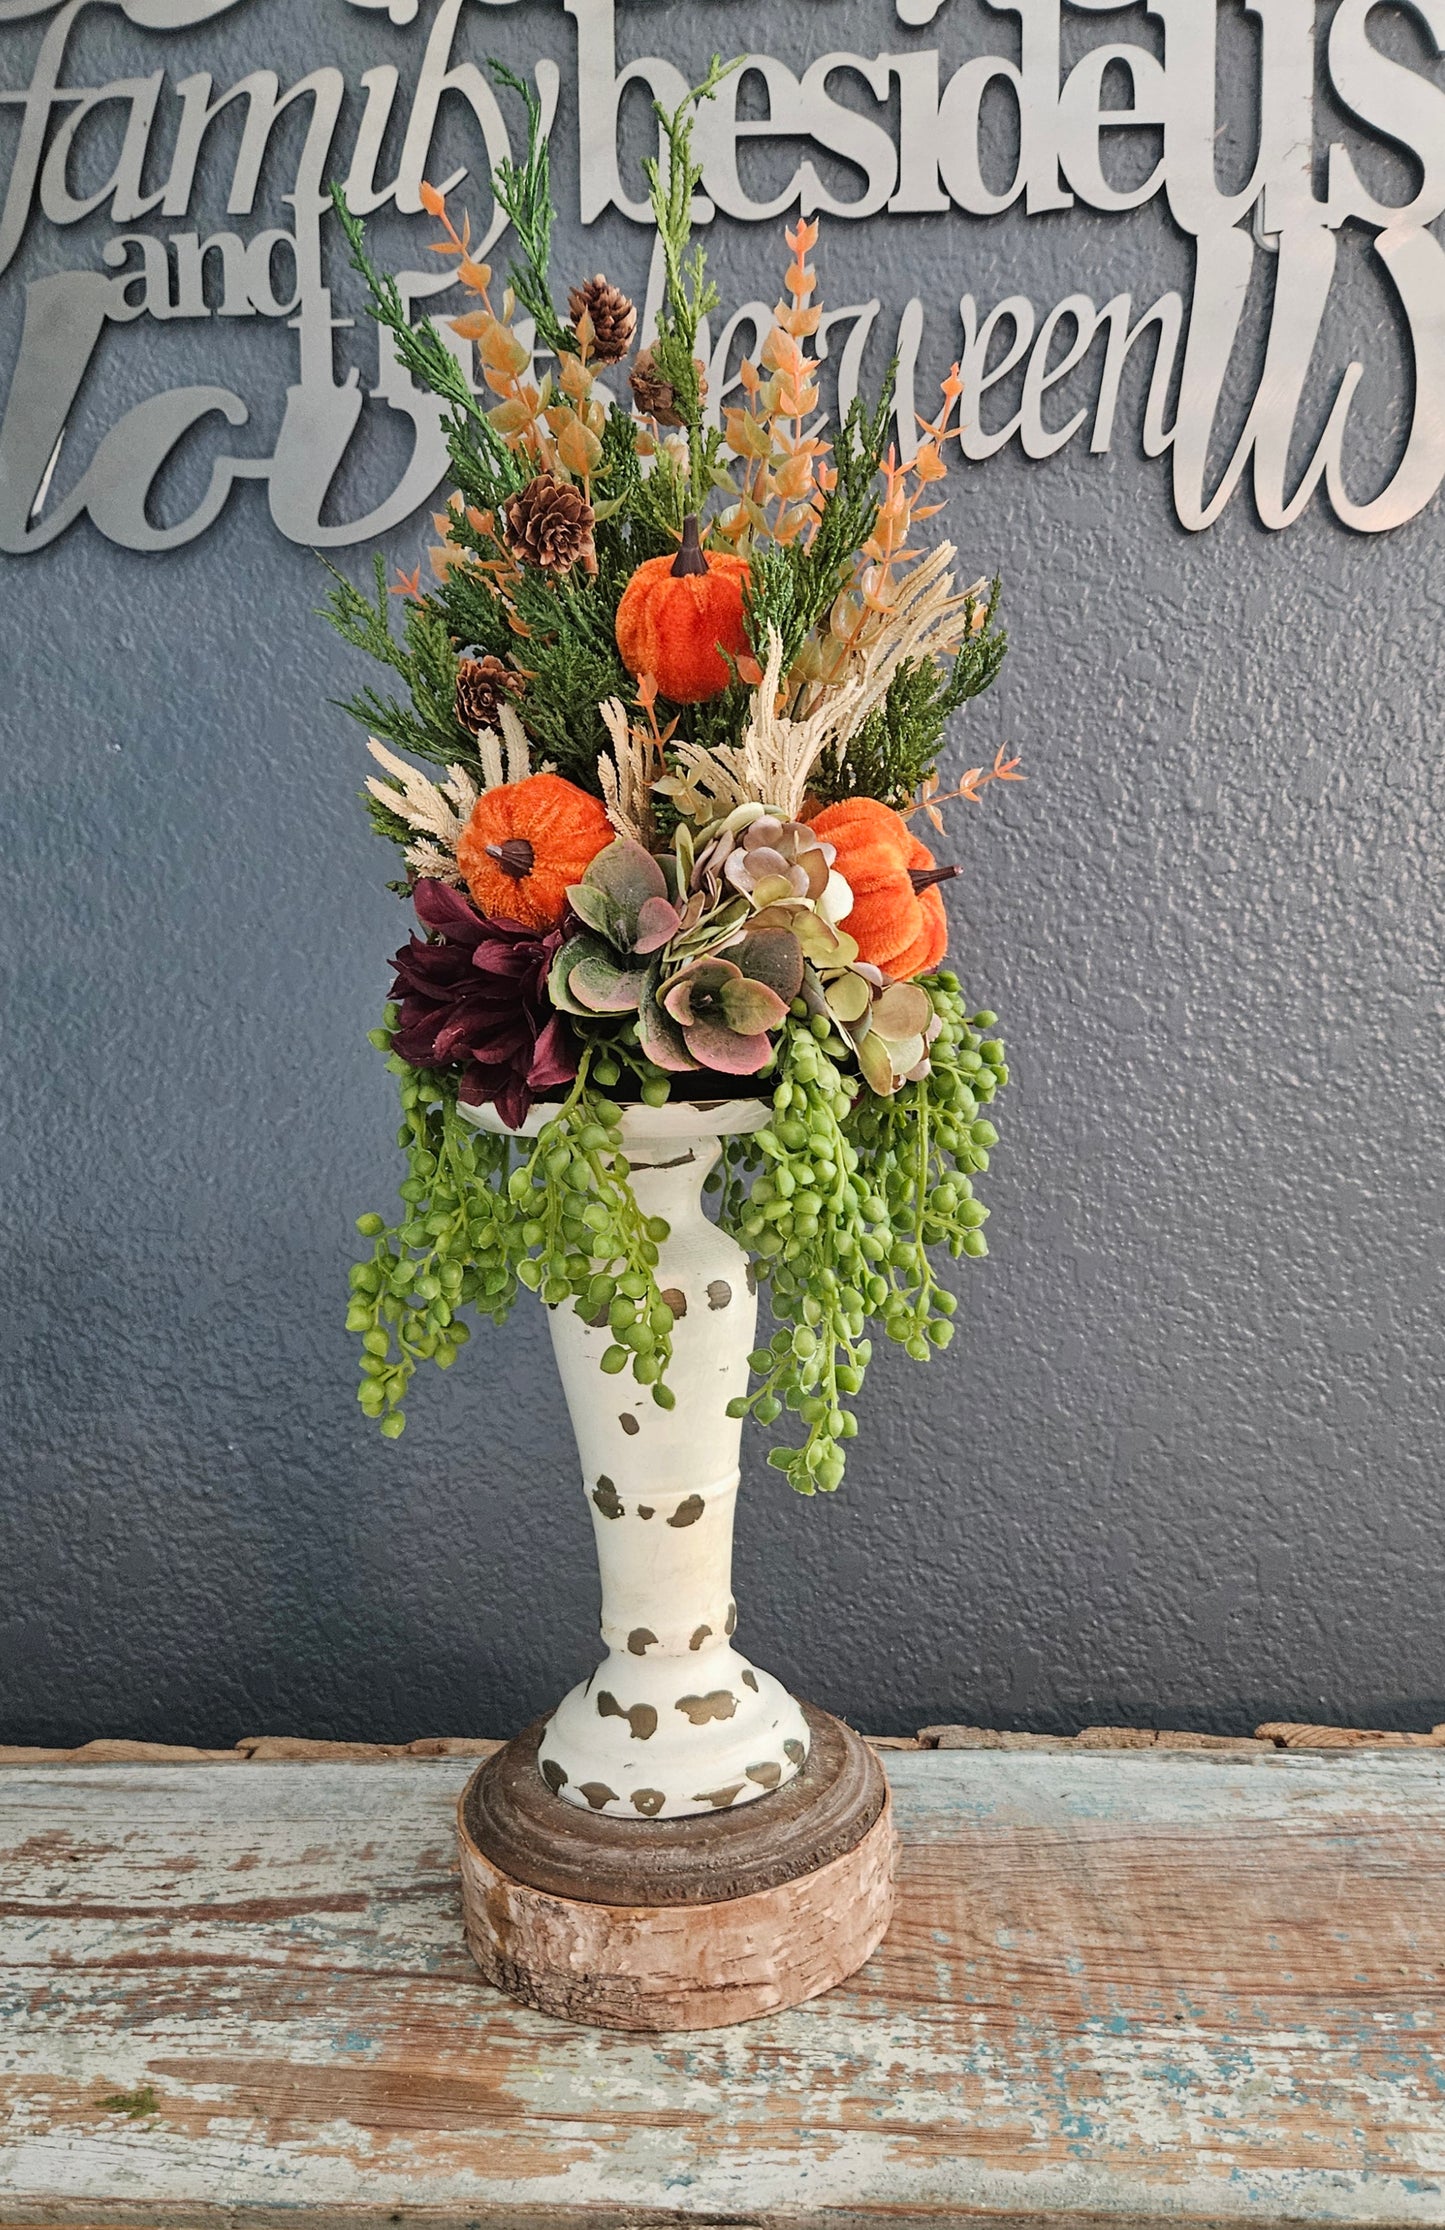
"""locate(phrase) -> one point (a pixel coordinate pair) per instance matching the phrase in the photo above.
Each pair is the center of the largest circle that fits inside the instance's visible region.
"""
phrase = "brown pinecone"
(549, 524)
(484, 685)
(655, 396)
(614, 319)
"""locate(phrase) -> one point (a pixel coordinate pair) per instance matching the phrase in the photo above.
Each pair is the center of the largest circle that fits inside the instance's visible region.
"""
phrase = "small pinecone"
(655, 396)
(484, 685)
(614, 319)
(549, 524)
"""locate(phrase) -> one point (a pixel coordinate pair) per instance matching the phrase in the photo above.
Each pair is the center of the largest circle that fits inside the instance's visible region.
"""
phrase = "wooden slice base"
(677, 1924)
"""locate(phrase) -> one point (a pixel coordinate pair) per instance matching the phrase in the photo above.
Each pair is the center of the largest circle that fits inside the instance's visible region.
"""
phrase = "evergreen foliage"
(566, 645)
(526, 195)
(896, 749)
(425, 656)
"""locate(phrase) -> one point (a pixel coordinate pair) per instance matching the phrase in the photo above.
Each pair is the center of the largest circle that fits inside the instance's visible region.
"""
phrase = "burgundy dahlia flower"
(477, 1000)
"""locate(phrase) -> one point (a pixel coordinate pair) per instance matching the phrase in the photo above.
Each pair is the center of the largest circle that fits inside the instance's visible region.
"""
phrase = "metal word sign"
(911, 143)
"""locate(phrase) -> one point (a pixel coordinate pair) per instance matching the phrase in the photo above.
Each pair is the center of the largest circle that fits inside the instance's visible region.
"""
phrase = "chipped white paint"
(1140, 1986)
(674, 1720)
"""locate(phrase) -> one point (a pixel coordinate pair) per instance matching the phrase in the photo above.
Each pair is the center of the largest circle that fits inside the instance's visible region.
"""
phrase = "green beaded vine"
(841, 1202)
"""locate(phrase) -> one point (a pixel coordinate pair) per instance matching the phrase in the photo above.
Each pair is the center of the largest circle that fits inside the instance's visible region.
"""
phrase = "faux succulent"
(766, 858)
(625, 913)
(892, 1036)
(624, 897)
(717, 1011)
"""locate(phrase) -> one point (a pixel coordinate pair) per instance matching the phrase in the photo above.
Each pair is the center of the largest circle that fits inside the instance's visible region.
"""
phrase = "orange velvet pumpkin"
(526, 843)
(678, 615)
(897, 919)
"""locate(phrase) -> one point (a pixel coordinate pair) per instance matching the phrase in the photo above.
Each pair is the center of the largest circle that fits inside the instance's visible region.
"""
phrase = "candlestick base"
(677, 1924)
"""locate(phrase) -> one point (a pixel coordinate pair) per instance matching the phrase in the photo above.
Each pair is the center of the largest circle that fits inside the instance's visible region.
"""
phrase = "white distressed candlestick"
(675, 1720)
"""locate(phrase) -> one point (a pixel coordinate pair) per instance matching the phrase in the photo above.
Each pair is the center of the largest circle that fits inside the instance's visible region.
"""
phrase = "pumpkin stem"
(922, 877)
(690, 557)
(516, 857)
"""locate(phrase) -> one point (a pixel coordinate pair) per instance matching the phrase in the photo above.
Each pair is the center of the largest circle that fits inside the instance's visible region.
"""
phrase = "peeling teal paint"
(1026, 2046)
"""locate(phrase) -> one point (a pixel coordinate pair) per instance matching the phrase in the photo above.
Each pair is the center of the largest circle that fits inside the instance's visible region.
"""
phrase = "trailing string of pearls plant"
(713, 638)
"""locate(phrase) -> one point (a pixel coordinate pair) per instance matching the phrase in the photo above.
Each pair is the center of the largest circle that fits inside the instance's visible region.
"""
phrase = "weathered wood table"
(1128, 1987)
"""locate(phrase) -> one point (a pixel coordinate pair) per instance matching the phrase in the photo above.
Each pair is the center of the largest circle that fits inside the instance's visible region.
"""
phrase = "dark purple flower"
(477, 1000)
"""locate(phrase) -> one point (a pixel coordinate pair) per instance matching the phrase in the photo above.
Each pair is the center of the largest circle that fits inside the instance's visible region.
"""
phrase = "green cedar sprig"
(897, 748)
(688, 294)
(423, 353)
(525, 192)
(648, 514)
(426, 660)
(792, 585)
(569, 651)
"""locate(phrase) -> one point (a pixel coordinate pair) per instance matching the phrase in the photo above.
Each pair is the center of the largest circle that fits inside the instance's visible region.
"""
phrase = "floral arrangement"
(682, 680)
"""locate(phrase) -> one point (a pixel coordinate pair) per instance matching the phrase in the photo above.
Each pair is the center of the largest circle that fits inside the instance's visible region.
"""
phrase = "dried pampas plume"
(627, 777)
(926, 620)
(489, 748)
(772, 763)
(777, 754)
(438, 810)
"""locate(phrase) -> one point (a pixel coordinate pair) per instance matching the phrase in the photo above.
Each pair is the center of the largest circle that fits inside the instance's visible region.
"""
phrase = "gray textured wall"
(1183, 1462)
